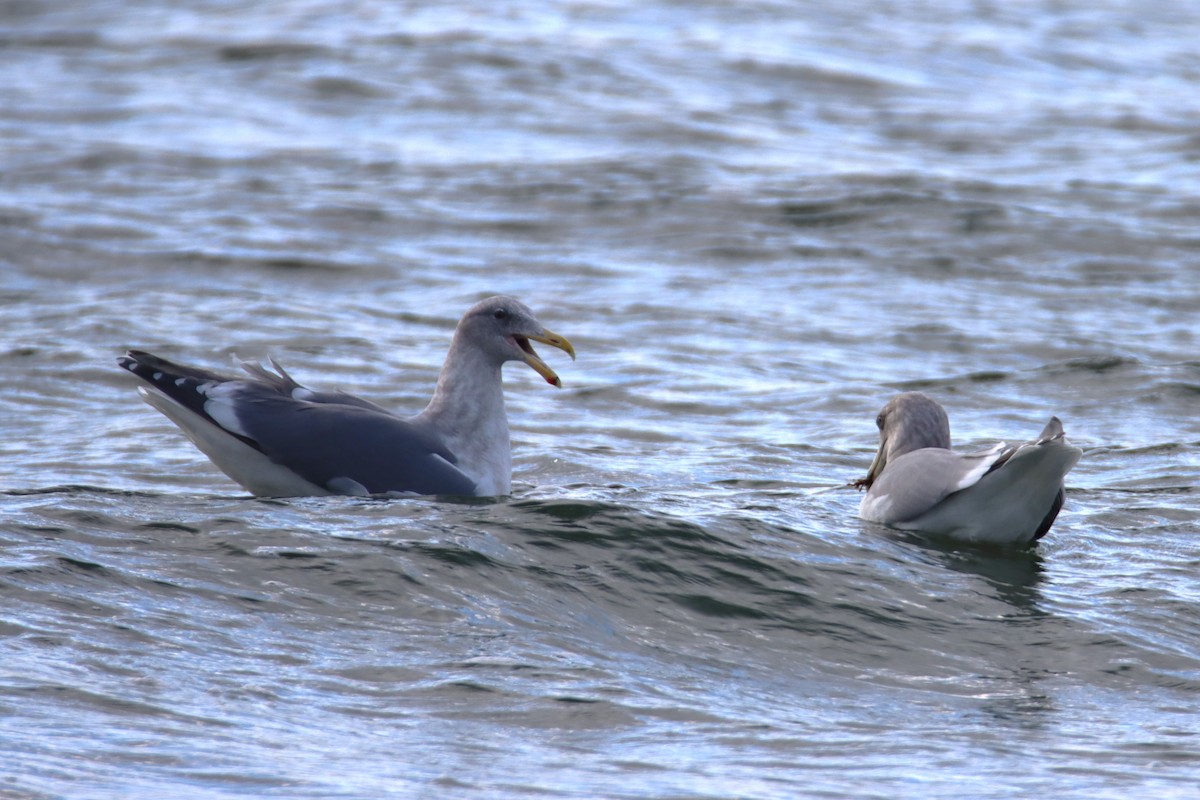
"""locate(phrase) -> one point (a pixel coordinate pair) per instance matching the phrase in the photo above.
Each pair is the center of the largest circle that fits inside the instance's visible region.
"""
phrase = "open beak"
(535, 361)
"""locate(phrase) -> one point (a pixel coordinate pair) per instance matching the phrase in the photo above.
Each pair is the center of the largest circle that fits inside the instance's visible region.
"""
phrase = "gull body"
(1002, 496)
(278, 438)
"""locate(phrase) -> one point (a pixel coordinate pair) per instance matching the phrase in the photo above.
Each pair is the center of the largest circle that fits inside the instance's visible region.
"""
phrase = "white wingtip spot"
(180, 381)
(157, 376)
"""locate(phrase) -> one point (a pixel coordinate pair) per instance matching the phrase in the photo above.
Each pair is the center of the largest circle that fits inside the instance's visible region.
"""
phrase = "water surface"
(756, 222)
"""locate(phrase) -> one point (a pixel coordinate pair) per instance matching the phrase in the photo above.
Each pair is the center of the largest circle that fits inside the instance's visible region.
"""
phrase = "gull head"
(910, 421)
(504, 328)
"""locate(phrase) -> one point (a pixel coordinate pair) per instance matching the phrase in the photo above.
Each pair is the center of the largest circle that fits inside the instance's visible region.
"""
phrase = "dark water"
(756, 222)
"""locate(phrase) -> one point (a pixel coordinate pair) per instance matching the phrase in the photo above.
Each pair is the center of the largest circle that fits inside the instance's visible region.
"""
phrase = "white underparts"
(238, 460)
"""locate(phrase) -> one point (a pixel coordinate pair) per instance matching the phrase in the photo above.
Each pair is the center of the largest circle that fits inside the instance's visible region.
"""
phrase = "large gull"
(1004, 495)
(280, 439)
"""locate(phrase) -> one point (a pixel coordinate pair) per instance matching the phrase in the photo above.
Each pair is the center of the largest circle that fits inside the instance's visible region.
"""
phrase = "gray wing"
(339, 444)
(331, 439)
(284, 383)
(917, 481)
(1017, 500)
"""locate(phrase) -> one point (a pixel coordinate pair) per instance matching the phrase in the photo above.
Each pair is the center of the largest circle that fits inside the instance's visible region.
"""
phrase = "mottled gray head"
(910, 421)
(504, 327)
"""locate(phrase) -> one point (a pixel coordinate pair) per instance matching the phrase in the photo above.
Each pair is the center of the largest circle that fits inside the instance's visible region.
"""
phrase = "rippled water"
(756, 222)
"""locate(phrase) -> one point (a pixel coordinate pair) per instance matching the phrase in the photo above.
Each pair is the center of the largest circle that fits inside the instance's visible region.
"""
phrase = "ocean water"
(756, 221)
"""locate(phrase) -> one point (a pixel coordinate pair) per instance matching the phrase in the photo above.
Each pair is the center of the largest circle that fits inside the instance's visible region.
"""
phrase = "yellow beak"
(535, 361)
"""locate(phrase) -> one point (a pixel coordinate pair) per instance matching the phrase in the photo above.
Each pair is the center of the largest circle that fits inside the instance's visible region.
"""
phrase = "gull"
(1000, 496)
(278, 438)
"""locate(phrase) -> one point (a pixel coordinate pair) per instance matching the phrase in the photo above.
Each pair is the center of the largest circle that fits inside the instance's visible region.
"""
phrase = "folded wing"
(278, 438)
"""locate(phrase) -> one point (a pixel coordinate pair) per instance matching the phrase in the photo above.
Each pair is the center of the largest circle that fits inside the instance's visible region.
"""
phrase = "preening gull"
(280, 439)
(1004, 495)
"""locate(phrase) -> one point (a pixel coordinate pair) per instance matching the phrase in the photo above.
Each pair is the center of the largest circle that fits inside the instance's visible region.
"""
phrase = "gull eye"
(500, 313)
(879, 422)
